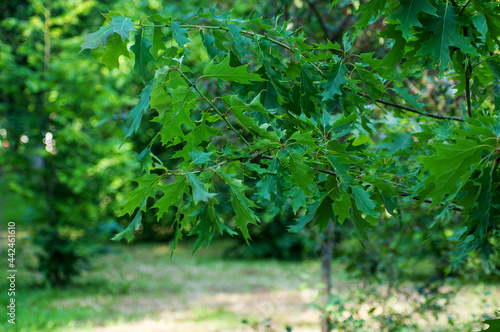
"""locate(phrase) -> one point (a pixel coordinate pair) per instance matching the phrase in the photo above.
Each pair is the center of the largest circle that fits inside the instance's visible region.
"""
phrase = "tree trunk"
(326, 271)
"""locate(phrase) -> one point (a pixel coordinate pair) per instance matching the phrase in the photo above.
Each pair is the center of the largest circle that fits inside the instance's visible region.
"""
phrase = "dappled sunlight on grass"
(142, 288)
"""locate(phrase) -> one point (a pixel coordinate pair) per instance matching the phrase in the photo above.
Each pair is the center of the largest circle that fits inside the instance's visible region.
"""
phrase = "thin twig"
(400, 193)
(277, 42)
(428, 200)
(212, 105)
(214, 27)
(467, 89)
(463, 8)
(413, 110)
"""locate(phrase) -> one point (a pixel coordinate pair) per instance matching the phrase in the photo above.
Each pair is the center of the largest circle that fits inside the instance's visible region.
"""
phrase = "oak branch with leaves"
(315, 127)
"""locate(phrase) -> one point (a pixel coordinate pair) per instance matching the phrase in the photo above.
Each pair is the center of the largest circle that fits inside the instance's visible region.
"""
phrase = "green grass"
(140, 288)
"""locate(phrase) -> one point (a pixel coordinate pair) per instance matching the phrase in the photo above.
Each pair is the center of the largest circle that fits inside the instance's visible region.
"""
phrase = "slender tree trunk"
(49, 174)
(326, 271)
(46, 32)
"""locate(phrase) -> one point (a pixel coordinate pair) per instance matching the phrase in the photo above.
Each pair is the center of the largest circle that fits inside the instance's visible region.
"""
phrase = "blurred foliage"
(273, 240)
(60, 117)
(63, 117)
(58, 261)
(310, 132)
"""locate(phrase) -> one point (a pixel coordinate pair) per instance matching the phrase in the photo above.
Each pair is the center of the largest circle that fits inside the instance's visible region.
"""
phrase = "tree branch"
(467, 89)
(463, 8)
(277, 42)
(413, 110)
(212, 105)
(400, 193)
(319, 17)
(428, 200)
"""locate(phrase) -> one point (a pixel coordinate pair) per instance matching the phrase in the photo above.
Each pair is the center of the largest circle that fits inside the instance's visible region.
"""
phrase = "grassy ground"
(140, 288)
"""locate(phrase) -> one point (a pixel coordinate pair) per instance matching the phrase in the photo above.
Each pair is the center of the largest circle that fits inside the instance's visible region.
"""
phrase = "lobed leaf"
(95, 39)
(199, 192)
(122, 26)
(114, 49)
(142, 56)
(227, 73)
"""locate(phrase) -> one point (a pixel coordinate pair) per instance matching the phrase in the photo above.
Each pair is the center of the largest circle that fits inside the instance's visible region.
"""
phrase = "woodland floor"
(140, 288)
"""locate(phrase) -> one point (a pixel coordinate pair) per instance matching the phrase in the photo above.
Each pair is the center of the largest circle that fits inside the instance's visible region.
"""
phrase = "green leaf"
(450, 166)
(238, 107)
(158, 43)
(305, 138)
(100, 37)
(335, 80)
(179, 34)
(490, 11)
(208, 223)
(204, 229)
(209, 42)
(238, 39)
(360, 225)
(110, 14)
(146, 188)
(301, 173)
(391, 204)
(114, 49)
(369, 9)
(303, 221)
(142, 56)
(200, 157)
(266, 187)
(481, 212)
(396, 51)
(363, 201)
(226, 73)
(199, 192)
(241, 205)
(328, 46)
(445, 35)
(308, 89)
(136, 112)
(122, 26)
(494, 325)
(342, 206)
(324, 213)
(172, 129)
(410, 99)
(221, 227)
(157, 17)
(407, 15)
(495, 67)
(395, 143)
(341, 169)
(372, 85)
(128, 233)
(347, 40)
(298, 198)
(211, 14)
(145, 158)
(172, 195)
(159, 100)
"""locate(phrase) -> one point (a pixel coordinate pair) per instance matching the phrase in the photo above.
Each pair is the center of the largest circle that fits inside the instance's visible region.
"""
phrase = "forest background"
(407, 263)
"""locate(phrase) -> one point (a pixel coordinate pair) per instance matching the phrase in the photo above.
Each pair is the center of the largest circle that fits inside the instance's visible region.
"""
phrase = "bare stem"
(413, 110)
(467, 89)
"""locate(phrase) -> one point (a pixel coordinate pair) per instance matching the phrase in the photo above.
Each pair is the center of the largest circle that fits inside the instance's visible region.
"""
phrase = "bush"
(59, 261)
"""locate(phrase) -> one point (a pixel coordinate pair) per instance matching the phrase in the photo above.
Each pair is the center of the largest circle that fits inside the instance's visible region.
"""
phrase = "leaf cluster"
(313, 126)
